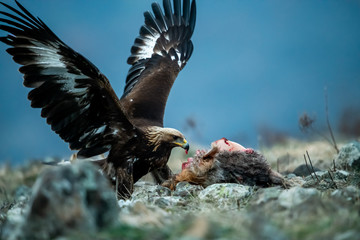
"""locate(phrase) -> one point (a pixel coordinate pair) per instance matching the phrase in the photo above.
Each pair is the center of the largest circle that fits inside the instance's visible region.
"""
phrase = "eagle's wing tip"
(166, 33)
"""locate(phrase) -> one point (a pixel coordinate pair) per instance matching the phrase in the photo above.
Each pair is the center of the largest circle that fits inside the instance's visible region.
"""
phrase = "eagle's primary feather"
(79, 103)
(157, 56)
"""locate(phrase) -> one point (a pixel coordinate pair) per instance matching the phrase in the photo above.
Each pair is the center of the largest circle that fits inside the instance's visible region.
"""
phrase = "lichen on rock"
(65, 199)
(349, 157)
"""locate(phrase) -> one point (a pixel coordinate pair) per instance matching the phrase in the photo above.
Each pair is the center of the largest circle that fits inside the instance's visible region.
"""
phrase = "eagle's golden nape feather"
(158, 136)
(79, 103)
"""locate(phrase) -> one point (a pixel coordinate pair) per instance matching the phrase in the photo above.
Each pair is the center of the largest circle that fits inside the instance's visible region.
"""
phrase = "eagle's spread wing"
(76, 99)
(157, 56)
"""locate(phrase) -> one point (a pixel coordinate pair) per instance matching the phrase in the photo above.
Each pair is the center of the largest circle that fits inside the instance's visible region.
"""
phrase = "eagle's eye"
(175, 138)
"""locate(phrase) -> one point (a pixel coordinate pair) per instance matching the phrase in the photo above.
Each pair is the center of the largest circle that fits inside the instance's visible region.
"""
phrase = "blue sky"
(255, 64)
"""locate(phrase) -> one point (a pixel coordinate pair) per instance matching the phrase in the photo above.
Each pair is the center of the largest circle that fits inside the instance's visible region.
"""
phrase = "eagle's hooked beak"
(185, 145)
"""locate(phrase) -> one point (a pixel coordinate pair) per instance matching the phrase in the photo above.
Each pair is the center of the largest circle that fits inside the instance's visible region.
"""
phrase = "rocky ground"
(75, 202)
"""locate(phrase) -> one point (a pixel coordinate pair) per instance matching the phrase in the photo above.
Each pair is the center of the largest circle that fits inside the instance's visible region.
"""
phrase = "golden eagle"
(79, 103)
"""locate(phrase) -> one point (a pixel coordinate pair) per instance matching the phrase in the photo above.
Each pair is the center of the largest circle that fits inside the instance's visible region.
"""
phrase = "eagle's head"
(169, 137)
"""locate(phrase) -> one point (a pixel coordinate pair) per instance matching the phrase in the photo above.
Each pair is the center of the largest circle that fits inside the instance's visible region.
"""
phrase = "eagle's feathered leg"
(121, 177)
(125, 180)
(163, 174)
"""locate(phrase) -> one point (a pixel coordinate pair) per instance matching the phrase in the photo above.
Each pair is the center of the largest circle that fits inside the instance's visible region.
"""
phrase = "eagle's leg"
(162, 174)
(124, 181)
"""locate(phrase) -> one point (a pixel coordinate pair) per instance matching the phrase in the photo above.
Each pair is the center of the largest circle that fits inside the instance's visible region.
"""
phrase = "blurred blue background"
(257, 66)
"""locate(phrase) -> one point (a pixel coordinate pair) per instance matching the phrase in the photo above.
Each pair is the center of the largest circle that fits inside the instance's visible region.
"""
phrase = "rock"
(296, 196)
(22, 193)
(349, 157)
(164, 202)
(144, 191)
(303, 170)
(341, 175)
(348, 235)
(151, 195)
(264, 195)
(320, 175)
(293, 180)
(140, 214)
(354, 179)
(15, 214)
(185, 189)
(67, 199)
(350, 193)
(328, 180)
(291, 175)
(224, 193)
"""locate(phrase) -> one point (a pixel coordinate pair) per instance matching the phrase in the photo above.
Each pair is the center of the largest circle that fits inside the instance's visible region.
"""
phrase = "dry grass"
(291, 154)
(13, 177)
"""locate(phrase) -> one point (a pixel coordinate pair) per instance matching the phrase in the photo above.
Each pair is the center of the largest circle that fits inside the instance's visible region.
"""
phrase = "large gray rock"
(295, 196)
(225, 194)
(67, 199)
(349, 157)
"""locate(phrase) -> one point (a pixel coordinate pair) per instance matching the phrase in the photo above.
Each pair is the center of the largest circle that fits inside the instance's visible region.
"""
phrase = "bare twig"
(312, 167)
(321, 135)
(334, 165)
(332, 179)
(306, 124)
(328, 122)
(308, 168)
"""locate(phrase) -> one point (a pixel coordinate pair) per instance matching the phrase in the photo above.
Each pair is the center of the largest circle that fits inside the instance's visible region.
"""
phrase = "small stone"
(303, 170)
(264, 195)
(185, 189)
(22, 193)
(291, 175)
(146, 191)
(15, 215)
(341, 175)
(164, 202)
(320, 175)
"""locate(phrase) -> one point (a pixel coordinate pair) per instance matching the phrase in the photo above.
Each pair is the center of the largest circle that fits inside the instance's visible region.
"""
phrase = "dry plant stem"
(332, 179)
(328, 122)
(312, 167)
(307, 166)
(321, 135)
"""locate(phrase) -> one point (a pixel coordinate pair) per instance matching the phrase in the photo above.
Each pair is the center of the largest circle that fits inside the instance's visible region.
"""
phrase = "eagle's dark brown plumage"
(79, 103)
